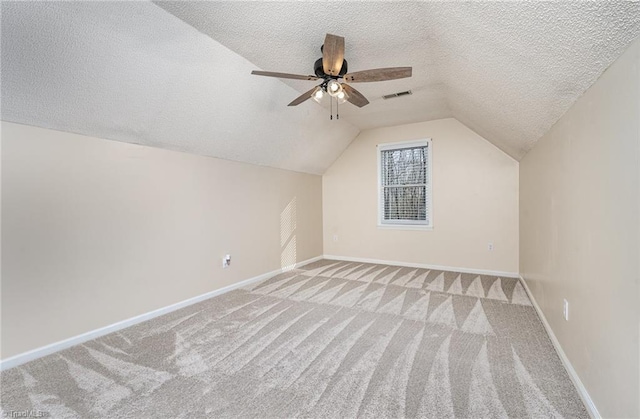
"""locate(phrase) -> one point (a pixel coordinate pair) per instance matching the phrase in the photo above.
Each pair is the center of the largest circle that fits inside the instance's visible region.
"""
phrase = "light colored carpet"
(333, 339)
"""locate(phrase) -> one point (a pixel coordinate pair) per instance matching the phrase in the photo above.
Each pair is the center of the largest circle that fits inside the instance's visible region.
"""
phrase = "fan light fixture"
(317, 94)
(342, 97)
(334, 88)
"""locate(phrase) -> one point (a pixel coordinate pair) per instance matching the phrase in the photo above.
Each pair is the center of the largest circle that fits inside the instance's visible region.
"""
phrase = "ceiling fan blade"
(283, 75)
(302, 97)
(332, 54)
(378, 74)
(355, 97)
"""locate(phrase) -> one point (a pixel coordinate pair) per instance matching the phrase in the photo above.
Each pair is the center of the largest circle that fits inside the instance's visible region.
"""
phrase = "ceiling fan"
(331, 68)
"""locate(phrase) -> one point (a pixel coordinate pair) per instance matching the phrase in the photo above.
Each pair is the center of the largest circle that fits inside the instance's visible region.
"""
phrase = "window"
(405, 184)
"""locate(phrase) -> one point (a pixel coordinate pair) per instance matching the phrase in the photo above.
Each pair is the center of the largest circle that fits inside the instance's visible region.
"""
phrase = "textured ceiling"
(508, 70)
(130, 71)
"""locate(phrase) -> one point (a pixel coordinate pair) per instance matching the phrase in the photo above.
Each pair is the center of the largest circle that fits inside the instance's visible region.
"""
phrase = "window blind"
(405, 185)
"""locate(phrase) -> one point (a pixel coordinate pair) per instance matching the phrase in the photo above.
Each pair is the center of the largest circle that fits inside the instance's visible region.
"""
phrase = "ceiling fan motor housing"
(319, 71)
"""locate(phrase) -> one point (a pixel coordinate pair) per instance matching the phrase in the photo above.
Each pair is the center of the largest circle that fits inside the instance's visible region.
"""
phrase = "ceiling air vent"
(392, 95)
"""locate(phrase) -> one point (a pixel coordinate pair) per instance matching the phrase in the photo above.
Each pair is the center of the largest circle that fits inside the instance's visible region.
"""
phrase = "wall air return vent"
(392, 95)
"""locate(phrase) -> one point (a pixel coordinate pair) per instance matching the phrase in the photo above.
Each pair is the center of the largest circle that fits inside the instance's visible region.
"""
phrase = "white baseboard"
(24, 357)
(425, 266)
(582, 391)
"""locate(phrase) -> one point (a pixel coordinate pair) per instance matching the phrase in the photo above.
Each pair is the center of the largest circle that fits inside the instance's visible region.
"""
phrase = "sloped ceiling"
(508, 70)
(177, 74)
(129, 71)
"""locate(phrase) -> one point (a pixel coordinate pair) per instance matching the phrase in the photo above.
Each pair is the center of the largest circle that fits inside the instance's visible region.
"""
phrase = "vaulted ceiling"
(133, 72)
(129, 71)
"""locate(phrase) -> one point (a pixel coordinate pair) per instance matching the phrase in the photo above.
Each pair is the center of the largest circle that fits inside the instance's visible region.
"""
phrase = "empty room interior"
(256, 209)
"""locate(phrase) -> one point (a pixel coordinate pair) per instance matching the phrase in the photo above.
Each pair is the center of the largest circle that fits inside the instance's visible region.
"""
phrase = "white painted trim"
(422, 227)
(573, 375)
(401, 226)
(425, 266)
(33, 354)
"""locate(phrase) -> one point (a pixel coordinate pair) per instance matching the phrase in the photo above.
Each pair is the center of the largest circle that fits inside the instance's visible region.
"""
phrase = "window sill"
(404, 227)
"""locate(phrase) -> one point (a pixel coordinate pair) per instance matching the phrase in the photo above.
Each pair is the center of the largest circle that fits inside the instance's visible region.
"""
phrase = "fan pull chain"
(337, 109)
(331, 103)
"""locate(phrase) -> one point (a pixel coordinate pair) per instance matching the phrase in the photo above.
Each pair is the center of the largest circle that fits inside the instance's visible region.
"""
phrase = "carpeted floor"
(333, 339)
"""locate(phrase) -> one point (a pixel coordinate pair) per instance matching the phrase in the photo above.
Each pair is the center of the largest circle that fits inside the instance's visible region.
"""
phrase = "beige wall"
(579, 225)
(97, 231)
(475, 201)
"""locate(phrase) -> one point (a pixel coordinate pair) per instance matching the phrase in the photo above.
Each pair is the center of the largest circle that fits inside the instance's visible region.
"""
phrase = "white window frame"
(406, 224)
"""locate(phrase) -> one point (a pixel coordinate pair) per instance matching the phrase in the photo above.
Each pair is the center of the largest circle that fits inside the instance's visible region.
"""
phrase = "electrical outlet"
(489, 246)
(565, 309)
(226, 261)
(335, 237)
